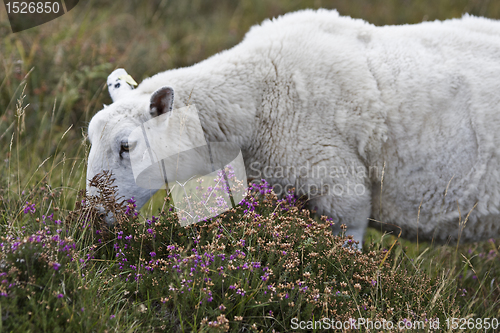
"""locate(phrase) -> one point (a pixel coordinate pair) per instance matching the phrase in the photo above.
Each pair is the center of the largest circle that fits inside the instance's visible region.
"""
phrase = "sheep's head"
(147, 145)
(110, 129)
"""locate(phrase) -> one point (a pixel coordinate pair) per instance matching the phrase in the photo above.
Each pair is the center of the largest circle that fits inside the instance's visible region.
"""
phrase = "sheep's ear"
(119, 84)
(162, 101)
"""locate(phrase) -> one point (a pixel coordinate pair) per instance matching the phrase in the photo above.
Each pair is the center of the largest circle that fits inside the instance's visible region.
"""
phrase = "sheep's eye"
(125, 147)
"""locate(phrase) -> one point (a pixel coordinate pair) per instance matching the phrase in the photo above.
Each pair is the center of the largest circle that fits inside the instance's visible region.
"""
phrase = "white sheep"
(397, 123)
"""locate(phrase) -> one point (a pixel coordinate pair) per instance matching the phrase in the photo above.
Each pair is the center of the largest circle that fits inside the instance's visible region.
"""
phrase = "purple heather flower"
(29, 208)
(221, 202)
(14, 246)
(60, 296)
(131, 207)
(56, 266)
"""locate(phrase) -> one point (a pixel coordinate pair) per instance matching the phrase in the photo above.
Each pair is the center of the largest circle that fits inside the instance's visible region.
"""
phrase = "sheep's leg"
(358, 226)
(352, 211)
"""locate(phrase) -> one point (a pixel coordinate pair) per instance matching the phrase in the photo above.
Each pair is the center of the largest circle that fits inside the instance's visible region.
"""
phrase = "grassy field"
(253, 269)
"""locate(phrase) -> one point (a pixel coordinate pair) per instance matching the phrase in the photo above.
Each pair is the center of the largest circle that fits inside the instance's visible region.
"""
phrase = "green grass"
(53, 81)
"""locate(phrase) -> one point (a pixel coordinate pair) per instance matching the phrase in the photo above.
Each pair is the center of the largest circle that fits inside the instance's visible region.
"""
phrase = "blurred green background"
(68, 60)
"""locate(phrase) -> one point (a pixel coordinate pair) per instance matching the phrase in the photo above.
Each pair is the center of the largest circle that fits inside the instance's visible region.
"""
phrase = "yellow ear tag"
(127, 78)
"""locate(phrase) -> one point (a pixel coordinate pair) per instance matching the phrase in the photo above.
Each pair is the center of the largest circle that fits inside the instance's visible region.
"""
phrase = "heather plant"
(255, 267)
(258, 266)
